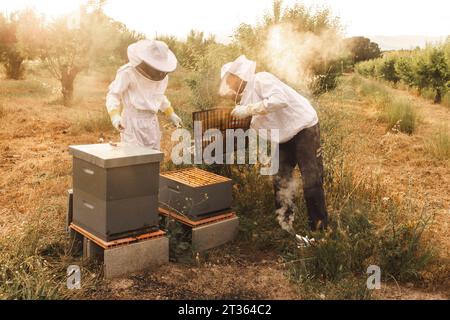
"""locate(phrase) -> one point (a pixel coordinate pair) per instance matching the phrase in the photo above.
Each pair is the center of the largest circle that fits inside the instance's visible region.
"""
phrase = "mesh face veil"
(150, 72)
(226, 91)
(242, 68)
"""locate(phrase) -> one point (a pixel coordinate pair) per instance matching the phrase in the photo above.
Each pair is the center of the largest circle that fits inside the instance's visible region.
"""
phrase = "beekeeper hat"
(241, 67)
(154, 53)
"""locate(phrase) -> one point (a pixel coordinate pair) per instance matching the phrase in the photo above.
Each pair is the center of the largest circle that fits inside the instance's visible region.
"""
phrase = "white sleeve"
(165, 104)
(268, 88)
(116, 89)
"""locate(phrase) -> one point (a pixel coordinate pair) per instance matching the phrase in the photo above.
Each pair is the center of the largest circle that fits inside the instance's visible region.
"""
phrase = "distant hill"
(404, 42)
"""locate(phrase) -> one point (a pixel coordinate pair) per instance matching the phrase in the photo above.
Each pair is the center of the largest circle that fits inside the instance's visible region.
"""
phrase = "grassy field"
(387, 183)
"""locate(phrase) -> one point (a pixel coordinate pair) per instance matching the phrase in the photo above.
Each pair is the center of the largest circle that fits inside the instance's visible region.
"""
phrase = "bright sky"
(177, 17)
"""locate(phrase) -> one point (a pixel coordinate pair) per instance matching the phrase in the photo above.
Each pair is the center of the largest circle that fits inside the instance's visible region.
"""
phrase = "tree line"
(427, 68)
(68, 45)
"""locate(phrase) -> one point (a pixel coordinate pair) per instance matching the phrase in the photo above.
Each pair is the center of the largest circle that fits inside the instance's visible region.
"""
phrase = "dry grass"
(439, 143)
(401, 115)
(36, 173)
(398, 112)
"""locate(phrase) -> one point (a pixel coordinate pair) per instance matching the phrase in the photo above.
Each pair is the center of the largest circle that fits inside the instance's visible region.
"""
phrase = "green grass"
(92, 122)
(34, 265)
(438, 145)
(349, 288)
(400, 115)
(29, 266)
(402, 252)
(357, 236)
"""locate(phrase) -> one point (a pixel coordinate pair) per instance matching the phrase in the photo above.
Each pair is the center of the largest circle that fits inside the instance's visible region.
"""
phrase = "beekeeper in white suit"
(140, 86)
(274, 105)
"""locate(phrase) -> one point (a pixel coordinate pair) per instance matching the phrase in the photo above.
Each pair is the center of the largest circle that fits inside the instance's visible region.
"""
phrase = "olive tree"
(433, 72)
(13, 52)
(361, 49)
(71, 44)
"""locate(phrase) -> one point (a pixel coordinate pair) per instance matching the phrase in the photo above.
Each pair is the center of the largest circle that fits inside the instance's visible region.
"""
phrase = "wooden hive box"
(195, 193)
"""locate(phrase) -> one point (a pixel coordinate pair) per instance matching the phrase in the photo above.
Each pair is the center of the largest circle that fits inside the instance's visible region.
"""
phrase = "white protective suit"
(282, 107)
(141, 98)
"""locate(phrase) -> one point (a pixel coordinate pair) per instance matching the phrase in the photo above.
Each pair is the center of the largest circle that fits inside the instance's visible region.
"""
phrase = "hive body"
(115, 189)
(195, 193)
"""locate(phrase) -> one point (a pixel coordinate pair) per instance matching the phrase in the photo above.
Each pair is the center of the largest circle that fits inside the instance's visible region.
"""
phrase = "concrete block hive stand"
(210, 232)
(201, 201)
(125, 256)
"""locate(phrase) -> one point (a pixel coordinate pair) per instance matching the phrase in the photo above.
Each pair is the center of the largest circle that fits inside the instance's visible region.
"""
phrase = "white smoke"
(292, 55)
(286, 195)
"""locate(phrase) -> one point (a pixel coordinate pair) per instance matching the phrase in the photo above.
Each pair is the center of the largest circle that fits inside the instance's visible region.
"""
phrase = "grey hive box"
(195, 192)
(115, 189)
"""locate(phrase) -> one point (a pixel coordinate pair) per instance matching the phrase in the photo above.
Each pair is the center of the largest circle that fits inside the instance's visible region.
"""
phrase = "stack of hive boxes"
(115, 191)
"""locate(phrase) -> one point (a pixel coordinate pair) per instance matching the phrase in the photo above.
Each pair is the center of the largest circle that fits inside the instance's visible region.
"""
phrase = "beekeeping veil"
(241, 67)
(154, 53)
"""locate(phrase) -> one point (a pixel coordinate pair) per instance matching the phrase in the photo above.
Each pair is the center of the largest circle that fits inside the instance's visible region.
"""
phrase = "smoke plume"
(286, 195)
(293, 55)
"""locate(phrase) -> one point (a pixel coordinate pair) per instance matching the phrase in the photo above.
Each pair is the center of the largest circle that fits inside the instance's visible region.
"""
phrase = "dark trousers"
(302, 150)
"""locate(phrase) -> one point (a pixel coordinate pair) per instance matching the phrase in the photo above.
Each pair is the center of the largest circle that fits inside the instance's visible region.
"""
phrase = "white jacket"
(288, 111)
(142, 98)
(137, 91)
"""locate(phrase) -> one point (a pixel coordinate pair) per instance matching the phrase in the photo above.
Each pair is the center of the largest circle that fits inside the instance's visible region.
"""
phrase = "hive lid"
(106, 155)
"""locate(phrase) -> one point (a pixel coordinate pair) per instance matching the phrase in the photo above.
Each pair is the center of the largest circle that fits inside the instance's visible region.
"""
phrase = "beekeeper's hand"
(242, 112)
(176, 120)
(116, 122)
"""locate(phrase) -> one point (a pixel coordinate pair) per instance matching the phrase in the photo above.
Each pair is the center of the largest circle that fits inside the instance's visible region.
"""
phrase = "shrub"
(405, 70)
(439, 143)
(345, 248)
(400, 115)
(386, 70)
(366, 68)
(423, 69)
(327, 76)
(401, 249)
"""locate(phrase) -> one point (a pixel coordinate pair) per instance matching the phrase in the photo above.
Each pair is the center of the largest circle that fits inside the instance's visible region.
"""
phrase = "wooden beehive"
(194, 192)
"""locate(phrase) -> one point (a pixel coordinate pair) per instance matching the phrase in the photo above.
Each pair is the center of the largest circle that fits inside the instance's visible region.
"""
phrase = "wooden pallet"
(119, 242)
(192, 223)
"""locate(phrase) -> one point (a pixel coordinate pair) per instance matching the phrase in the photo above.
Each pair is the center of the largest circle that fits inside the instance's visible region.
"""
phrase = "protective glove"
(242, 112)
(176, 120)
(116, 122)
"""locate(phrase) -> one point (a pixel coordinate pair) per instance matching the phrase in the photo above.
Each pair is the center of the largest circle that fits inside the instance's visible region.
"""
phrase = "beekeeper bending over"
(274, 105)
(140, 86)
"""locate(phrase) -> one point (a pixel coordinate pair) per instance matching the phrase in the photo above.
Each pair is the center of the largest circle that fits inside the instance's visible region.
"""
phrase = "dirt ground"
(35, 168)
